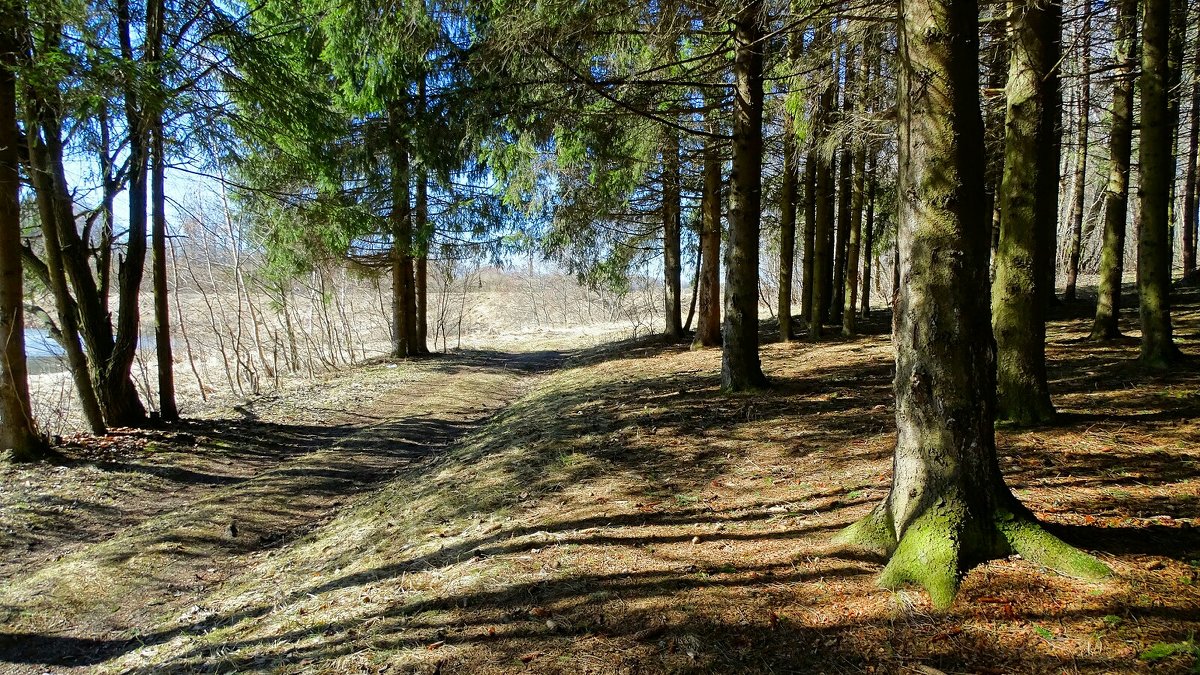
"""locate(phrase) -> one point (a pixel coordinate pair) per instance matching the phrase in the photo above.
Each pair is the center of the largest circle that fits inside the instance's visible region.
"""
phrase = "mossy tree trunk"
(1018, 317)
(1116, 191)
(949, 508)
(18, 432)
(708, 327)
(740, 366)
(1156, 161)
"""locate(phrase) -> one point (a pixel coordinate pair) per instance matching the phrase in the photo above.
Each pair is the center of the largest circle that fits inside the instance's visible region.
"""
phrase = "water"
(42, 352)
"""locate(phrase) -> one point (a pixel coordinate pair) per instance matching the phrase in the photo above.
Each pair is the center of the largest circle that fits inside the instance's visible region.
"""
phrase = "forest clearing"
(602, 510)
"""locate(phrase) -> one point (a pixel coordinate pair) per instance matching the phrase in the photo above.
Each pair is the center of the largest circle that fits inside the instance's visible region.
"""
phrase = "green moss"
(1027, 537)
(929, 554)
(873, 532)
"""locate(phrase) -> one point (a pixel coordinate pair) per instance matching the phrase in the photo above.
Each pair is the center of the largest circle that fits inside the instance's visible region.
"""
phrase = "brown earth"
(490, 513)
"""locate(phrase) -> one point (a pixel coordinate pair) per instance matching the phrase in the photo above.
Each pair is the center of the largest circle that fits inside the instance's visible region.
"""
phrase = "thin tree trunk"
(1191, 212)
(118, 396)
(672, 231)
(948, 508)
(869, 227)
(708, 329)
(1116, 192)
(787, 229)
(810, 224)
(18, 429)
(424, 236)
(740, 366)
(403, 304)
(852, 248)
(687, 325)
(823, 230)
(1155, 160)
(1081, 157)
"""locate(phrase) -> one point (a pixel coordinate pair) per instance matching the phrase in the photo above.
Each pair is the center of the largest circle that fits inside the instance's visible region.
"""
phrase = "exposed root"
(1027, 537)
(874, 532)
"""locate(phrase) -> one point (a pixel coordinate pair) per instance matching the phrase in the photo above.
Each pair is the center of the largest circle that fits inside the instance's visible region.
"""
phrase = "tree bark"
(424, 235)
(168, 410)
(822, 268)
(949, 508)
(1018, 318)
(672, 232)
(18, 429)
(1155, 160)
(1191, 212)
(869, 229)
(404, 329)
(1049, 153)
(850, 293)
(1081, 157)
(708, 327)
(787, 228)
(809, 235)
(118, 396)
(69, 312)
(740, 366)
(1116, 192)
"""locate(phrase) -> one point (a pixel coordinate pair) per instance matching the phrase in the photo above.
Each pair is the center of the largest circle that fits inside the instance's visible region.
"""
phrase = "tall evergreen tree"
(949, 508)
(740, 365)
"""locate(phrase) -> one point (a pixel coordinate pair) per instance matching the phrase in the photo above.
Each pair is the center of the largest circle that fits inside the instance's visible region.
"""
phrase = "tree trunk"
(740, 366)
(823, 231)
(787, 228)
(949, 508)
(1191, 212)
(708, 328)
(18, 429)
(852, 247)
(404, 329)
(672, 224)
(1081, 157)
(424, 236)
(1155, 160)
(1049, 153)
(1116, 192)
(49, 206)
(168, 410)
(118, 396)
(1018, 319)
(810, 223)
(869, 228)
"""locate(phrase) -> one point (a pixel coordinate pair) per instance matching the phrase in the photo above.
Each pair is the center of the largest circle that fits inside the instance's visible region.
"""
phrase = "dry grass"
(625, 516)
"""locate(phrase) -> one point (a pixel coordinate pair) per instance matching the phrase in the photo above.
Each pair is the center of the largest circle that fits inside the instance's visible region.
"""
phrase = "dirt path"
(123, 534)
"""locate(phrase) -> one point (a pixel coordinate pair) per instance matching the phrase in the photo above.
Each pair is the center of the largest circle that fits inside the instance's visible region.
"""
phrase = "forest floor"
(605, 510)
